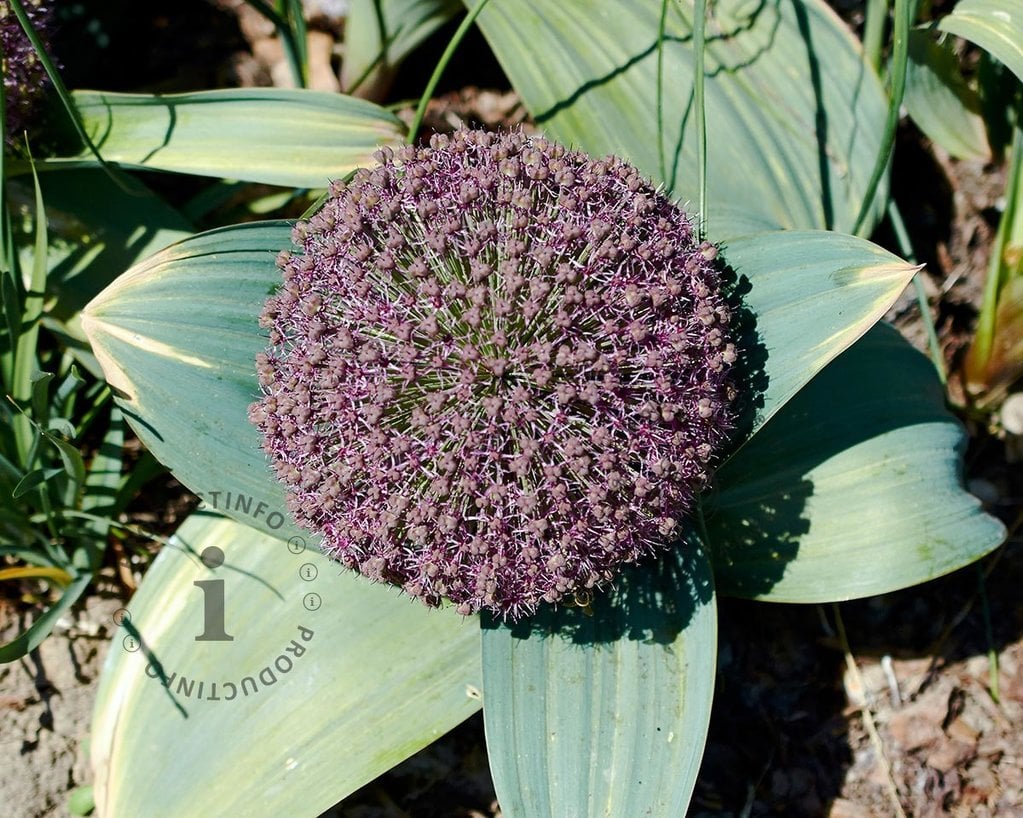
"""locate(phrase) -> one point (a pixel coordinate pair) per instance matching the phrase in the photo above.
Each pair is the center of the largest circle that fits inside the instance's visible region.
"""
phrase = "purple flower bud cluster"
(497, 371)
(24, 76)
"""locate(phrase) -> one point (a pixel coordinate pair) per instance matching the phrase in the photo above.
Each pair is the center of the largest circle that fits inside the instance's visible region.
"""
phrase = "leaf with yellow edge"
(290, 137)
(806, 296)
(994, 25)
(327, 680)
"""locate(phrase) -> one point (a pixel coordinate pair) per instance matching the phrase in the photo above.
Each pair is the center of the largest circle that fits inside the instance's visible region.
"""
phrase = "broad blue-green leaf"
(379, 34)
(809, 295)
(184, 324)
(313, 697)
(290, 137)
(940, 102)
(994, 25)
(604, 712)
(98, 228)
(794, 114)
(853, 489)
(177, 337)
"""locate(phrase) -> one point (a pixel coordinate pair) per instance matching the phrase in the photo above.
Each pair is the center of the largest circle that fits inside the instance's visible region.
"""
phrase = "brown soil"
(46, 706)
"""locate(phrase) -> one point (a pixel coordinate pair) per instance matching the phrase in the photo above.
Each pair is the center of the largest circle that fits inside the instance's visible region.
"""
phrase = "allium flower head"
(498, 370)
(24, 76)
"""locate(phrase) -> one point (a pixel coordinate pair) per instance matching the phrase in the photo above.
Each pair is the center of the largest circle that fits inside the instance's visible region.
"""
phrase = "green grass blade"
(40, 629)
(904, 10)
(70, 457)
(33, 480)
(41, 395)
(102, 482)
(25, 359)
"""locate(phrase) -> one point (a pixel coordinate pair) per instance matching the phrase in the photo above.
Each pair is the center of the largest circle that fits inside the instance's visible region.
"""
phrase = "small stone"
(1012, 414)
(919, 723)
(949, 755)
(844, 808)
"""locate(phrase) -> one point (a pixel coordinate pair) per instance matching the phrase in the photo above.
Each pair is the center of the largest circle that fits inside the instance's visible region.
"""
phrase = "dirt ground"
(46, 705)
(917, 711)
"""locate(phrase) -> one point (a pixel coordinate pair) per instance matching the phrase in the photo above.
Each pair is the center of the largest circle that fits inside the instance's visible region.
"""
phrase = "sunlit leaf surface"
(291, 137)
(794, 114)
(328, 680)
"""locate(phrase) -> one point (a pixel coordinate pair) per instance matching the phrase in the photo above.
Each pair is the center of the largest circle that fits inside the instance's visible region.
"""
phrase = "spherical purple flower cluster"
(498, 370)
(24, 76)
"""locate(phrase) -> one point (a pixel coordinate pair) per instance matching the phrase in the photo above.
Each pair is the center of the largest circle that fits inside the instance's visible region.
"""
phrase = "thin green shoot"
(438, 71)
(998, 273)
(904, 11)
(992, 653)
(906, 248)
(662, 162)
(40, 629)
(699, 47)
(292, 50)
(873, 32)
(121, 526)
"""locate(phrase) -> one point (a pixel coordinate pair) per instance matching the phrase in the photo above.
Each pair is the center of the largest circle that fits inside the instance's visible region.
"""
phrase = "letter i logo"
(213, 599)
